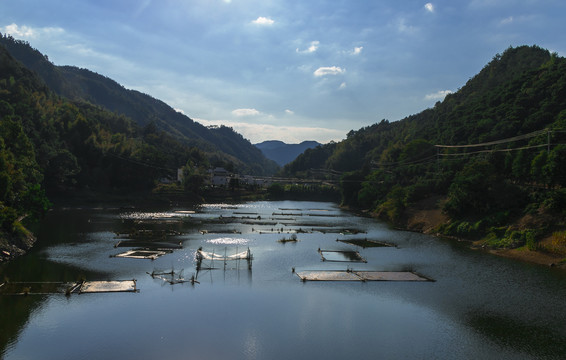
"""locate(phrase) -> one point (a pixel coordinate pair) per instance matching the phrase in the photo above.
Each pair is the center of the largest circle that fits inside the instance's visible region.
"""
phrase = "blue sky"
(288, 70)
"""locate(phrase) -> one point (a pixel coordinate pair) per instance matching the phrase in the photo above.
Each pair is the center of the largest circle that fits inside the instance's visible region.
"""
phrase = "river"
(479, 306)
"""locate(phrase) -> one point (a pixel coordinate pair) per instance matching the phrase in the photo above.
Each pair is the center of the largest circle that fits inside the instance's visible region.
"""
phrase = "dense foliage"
(494, 150)
(56, 146)
(222, 144)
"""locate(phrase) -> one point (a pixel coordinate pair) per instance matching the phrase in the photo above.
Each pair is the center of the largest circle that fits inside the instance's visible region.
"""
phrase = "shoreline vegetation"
(427, 217)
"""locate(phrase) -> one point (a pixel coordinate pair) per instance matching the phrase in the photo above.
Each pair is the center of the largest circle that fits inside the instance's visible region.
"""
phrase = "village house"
(219, 176)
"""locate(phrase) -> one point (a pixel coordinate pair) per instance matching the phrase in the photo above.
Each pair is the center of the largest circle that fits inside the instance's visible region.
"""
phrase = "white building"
(219, 176)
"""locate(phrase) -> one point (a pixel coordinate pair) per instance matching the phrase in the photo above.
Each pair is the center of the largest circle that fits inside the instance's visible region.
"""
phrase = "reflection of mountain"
(283, 153)
(14, 320)
(21, 307)
(529, 337)
(15, 310)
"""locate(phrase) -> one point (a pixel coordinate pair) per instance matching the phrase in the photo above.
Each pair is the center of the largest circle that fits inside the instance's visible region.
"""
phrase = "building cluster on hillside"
(222, 177)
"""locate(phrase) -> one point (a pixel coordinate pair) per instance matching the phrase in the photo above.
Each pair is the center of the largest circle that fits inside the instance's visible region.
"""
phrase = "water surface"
(480, 306)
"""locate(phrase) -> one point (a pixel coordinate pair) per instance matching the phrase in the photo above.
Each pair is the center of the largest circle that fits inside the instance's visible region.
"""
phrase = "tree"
(537, 168)
(193, 178)
(472, 189)
(555, 168)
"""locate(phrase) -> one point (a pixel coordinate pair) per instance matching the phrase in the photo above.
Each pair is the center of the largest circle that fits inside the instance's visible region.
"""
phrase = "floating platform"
(142, 254)
(351, 275)
(205, 232)
(68, 288)
(365, 243)
(343, 231)
(185, 212)
(149, 244)
(34, 288)
(108, 286)
(205, 255)
(341, 256)
(172, 277)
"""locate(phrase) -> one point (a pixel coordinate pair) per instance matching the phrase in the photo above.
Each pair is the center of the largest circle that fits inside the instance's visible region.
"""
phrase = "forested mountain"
(86, 86)
(283, 153)
(52, 146)
(494, 151)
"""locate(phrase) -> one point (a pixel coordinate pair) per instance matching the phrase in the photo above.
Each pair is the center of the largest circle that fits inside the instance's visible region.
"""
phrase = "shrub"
(508, 238)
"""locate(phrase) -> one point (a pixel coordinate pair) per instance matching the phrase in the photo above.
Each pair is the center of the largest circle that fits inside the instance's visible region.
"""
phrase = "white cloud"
(179, 111)
(305, 68)
(507, 20)
(479, 4)
(64, 47)
(289, 112)
(342, 86)
(26, 32)
(245, 112)
(328, 70)
(312, 48)
(429, 7)
(263, 21)
(144, 4)
(404, 28)
(357, 50)
(290, 134)
(439, 95)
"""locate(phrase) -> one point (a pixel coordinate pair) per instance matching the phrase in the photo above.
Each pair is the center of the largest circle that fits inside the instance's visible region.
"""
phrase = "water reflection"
(534, 338)
(234, 311)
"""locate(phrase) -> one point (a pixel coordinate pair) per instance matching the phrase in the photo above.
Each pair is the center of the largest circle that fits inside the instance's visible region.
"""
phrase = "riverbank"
(14, 246)
(426, 217)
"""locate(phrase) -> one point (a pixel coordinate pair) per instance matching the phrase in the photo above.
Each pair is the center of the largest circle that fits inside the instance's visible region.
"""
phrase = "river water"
(478, 307)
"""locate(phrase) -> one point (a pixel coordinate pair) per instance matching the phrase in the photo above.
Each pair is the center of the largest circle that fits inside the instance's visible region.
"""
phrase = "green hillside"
(84, 85)
(494, 153)
(51, 146)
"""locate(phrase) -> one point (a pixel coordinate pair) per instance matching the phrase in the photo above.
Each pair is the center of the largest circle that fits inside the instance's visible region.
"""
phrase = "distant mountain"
(283, 153)
(84, 85)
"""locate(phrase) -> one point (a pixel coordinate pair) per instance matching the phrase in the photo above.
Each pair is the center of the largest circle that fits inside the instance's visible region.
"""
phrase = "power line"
(495, 150)
(404, 162)
(497, 142)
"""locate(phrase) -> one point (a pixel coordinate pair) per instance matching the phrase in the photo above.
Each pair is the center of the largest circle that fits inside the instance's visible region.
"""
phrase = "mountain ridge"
(79, 84)
(509, 192)
(283, 153)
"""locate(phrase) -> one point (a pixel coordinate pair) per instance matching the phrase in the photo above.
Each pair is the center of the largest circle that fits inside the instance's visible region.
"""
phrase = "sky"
(289, 70)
